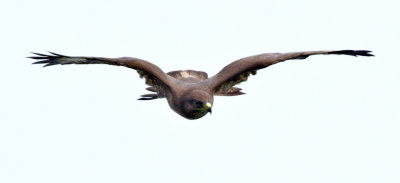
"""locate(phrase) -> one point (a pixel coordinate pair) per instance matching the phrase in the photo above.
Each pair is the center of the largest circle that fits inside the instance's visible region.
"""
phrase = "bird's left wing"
(222, 83)
(154, 76)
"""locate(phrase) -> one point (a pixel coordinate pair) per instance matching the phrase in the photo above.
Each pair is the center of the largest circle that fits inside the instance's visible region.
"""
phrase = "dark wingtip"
(41, 62)
(356, 53)
(148, 97)
(46, 59)
(366, 53)
(39, 54)
(56, 54)
(50, 64)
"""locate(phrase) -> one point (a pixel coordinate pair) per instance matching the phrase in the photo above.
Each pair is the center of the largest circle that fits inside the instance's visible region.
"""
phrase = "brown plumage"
(191, 93)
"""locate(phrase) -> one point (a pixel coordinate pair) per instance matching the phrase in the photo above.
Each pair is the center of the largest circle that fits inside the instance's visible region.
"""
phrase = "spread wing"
(238, 71)
(154, 76)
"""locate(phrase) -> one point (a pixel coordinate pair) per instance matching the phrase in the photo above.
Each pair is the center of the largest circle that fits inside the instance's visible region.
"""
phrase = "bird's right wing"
(238, 71)
(154, 76)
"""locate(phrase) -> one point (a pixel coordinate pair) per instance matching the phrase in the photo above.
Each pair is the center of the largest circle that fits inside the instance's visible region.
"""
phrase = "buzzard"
(191, 93)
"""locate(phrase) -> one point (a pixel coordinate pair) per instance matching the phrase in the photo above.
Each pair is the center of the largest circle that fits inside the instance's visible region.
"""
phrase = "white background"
(323, 119)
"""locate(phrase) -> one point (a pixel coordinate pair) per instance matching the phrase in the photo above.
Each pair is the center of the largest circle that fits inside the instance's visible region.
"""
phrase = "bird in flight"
(191, 93)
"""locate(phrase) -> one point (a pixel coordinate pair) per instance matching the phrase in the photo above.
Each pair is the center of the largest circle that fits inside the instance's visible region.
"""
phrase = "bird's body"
(190, 86)
(191, 93)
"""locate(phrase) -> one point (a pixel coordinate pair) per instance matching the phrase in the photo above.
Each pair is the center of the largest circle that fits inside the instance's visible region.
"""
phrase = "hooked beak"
(208, 107)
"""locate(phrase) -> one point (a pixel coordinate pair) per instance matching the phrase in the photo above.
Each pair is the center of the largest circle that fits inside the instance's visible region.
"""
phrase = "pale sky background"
(325, 119)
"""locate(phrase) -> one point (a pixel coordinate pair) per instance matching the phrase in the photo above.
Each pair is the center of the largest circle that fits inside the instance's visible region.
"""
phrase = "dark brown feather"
(238, 71)
(153, 75)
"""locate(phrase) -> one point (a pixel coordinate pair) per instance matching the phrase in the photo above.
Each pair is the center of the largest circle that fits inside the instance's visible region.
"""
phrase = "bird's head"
(196, 104)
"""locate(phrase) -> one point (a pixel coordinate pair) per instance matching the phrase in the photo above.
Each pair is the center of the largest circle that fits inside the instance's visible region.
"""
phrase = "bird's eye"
(197, 104)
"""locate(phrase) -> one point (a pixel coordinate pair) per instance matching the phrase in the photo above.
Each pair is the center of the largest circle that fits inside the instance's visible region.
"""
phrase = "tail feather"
(152, 89)
(233, 92)
(148, 97)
